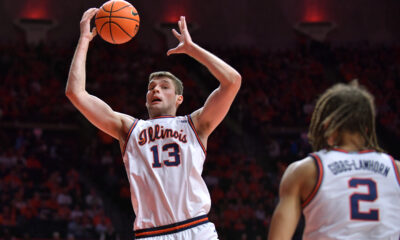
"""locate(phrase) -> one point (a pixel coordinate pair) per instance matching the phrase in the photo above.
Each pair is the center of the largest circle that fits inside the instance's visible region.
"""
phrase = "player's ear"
(332, 140)
(179, 100)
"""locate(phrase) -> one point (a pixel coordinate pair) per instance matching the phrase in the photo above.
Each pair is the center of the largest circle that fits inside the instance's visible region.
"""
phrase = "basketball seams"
(101, 28)
(104, 9)
(111, 35)
(119, 17)
(113, 11)
(120, 26)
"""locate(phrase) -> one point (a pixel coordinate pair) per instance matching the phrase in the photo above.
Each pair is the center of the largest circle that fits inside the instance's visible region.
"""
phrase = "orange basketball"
(117, 21)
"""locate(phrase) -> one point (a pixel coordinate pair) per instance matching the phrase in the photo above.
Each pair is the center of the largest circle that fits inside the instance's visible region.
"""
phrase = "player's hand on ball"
(185, 41)
(85, 24)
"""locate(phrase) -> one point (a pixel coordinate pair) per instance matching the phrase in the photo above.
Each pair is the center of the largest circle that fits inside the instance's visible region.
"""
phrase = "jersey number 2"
(166, 148)
(355, 198)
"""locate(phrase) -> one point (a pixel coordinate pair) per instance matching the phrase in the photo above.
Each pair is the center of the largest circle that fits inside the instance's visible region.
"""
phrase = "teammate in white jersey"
(164, 155)
(348, 188)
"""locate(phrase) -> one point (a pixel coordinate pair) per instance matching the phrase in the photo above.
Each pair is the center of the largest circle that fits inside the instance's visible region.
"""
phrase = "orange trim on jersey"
(396, 169)
(319, 180)
(339, 150)
(129, 134)
(171, 229)
(344, 151)
(195, 132)
(366, 151)
(164, 116)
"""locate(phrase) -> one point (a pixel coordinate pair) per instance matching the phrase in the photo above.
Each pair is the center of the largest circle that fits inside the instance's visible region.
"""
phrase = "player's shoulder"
(303, 166)
(126, 123)
(125, 118)
(300, 178)
(397, 162)
(300, 172)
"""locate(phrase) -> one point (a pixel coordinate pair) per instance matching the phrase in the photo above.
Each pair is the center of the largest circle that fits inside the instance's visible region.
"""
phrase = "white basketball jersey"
(164, 159)
(357, 196)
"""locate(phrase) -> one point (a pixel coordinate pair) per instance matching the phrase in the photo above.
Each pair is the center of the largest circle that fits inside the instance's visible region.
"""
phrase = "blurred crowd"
(42, 191)
(60, 178)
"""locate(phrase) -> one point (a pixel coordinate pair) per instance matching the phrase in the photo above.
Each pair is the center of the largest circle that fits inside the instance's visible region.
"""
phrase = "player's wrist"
(192, 49)
(85, 39)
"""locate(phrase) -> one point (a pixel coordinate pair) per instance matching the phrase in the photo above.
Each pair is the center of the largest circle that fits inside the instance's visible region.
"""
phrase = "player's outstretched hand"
(85, 24)
(185, 41)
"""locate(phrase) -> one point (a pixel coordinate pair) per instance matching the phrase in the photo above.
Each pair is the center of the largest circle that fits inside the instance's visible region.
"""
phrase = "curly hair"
(343, 108)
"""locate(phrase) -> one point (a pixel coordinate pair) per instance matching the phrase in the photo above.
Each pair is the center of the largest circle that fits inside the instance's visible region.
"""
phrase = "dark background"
(261, 24)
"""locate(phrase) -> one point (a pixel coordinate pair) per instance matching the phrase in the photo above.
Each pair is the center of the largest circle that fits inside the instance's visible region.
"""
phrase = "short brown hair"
(343, 107)
(177, 83)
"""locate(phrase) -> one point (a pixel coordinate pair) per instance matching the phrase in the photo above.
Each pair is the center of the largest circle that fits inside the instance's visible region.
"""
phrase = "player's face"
(161, 98)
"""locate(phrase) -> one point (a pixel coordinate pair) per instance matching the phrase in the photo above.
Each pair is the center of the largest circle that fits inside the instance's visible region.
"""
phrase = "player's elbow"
(72, 94)
(236, 80)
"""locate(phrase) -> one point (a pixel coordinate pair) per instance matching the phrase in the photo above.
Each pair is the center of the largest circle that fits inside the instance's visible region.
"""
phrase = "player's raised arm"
(207, 118)
(93, 108)
(296, 185)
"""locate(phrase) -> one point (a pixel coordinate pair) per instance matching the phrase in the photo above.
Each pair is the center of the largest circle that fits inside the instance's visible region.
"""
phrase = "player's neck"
(351, 142)
(161, 114)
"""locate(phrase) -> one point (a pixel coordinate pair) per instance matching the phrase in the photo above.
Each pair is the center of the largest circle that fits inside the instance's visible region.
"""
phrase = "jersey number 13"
(173, 154)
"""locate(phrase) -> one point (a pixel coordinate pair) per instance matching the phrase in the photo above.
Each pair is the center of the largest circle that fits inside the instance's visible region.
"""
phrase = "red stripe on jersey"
(195, 132)
(129, 134)
(396, 169)
(366, 151)
(319, 180)
(344, 151)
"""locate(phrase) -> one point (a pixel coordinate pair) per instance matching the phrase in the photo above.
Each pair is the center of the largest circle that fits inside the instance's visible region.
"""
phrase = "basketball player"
(348, 188)
(163, 155)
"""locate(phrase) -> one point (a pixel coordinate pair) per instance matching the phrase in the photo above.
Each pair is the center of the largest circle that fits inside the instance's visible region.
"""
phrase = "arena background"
(60, 178)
